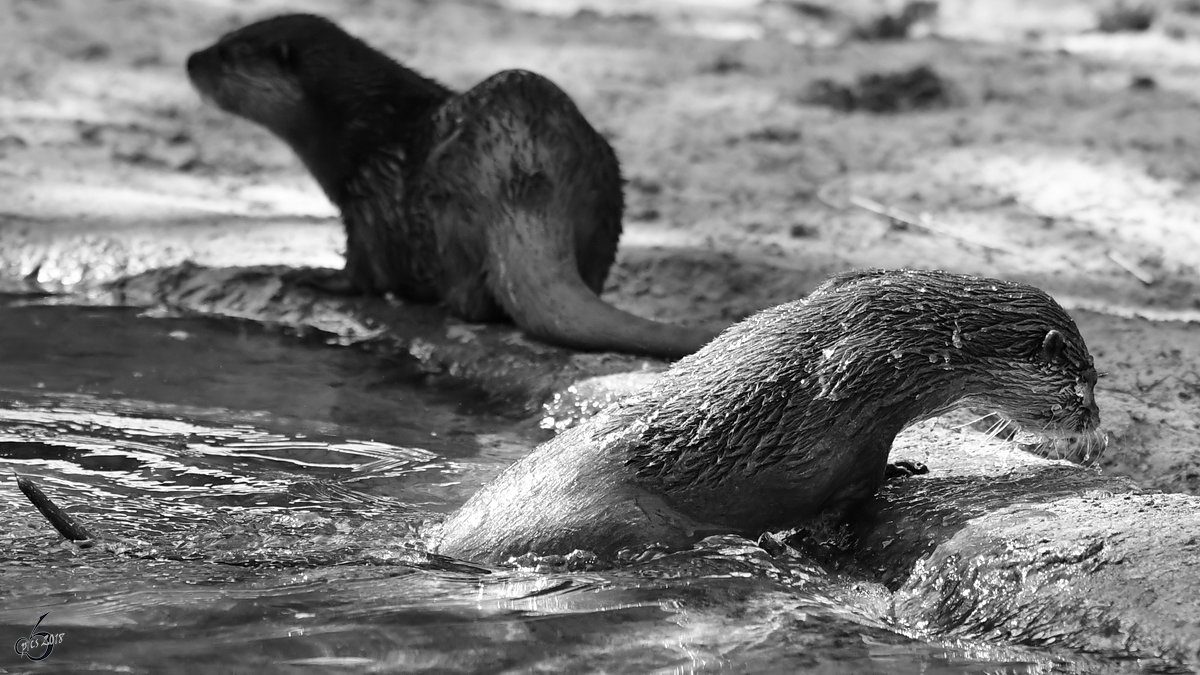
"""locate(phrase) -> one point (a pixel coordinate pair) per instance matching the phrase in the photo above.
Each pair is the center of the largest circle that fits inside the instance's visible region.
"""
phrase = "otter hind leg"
(469, 299)
(463, 282)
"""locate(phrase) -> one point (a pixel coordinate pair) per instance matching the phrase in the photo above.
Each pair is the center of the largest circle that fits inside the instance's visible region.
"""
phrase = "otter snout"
(199, 66)
(195, 63)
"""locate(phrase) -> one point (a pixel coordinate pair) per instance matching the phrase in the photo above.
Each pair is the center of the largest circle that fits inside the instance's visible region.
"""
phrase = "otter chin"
(500, 202)
(787, 416)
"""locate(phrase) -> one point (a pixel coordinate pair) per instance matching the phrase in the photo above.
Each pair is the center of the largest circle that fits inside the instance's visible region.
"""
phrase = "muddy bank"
(998, 545)
(496, 358)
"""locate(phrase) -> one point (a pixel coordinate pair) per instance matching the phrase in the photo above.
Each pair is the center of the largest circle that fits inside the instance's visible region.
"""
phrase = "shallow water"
(259, 499)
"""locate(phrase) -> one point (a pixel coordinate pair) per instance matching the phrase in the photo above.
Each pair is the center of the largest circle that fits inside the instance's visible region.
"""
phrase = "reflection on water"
(260, 500)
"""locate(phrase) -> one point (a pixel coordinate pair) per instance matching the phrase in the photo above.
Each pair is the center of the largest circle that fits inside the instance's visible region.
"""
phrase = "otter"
(788, 416)
(501, 201)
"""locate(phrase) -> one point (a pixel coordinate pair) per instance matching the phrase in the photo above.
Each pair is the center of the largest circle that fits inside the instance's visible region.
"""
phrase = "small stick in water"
(62, 521)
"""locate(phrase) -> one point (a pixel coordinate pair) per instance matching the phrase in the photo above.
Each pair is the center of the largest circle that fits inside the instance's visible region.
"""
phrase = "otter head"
(332, 97)
(1045, 379)
(302, 69)
(998, 345)
(254, 72)
(1048, 384)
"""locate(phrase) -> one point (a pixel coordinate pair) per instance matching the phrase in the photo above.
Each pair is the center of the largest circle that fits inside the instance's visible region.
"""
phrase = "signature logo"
(39, 644)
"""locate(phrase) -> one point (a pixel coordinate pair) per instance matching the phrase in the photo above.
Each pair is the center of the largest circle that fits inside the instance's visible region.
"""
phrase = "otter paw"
(334, 282)
(775, 546)
(903, 469)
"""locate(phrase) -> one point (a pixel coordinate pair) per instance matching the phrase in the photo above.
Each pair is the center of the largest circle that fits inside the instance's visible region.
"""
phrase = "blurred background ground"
(765, 146)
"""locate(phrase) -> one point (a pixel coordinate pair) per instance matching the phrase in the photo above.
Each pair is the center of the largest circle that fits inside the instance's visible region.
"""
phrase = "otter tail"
(545, 294)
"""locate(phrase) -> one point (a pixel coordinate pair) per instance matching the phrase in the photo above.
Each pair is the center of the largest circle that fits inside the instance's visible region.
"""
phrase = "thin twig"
(922, 223)
(1134, 270)
(62, 521)
(823, 191)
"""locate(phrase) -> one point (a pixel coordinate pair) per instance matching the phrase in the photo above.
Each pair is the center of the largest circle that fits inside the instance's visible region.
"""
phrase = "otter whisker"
(973, 422)
(994, 431)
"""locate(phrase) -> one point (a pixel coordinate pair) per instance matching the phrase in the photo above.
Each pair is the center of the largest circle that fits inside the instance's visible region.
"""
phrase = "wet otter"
(500, 201)
(788, 414)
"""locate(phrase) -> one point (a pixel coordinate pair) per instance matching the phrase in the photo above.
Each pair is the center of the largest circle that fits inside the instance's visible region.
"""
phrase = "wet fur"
(501, 201)
(788, 415)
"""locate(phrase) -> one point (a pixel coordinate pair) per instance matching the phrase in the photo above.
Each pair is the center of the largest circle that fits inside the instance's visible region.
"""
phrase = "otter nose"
(202, 63)
(200, 68)
(193, 62)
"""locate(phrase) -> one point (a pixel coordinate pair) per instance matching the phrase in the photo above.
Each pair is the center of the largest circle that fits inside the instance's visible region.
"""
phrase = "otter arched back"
(787, 415)
(499, 201)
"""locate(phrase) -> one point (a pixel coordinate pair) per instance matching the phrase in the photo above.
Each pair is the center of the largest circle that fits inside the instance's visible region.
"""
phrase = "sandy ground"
(1063, 156)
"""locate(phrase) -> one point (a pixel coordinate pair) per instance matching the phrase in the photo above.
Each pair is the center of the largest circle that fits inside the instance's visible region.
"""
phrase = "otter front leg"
(353, 279)
(859, 481)
(356, 278)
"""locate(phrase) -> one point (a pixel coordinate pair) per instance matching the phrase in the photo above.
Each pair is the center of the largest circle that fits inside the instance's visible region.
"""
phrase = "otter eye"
(283, 53)
(1052, 346)
(236, 50)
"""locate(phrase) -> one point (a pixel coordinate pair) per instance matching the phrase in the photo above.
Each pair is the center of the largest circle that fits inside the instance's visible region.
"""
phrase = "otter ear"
(1053, 345)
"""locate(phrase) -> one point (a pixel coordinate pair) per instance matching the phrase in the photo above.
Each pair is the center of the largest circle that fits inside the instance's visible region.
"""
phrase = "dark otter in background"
(501, 200)
(788, 414)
